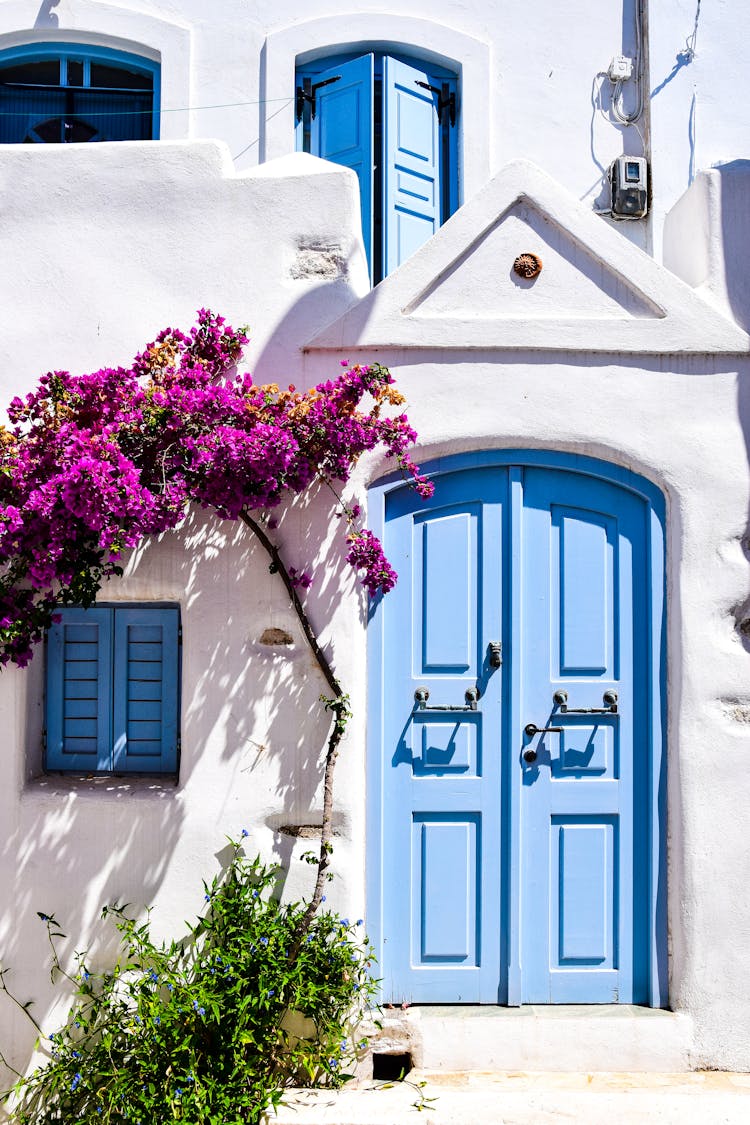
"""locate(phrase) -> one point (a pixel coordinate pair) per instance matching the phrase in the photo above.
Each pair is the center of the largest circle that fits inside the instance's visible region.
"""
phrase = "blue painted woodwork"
(85, 93)
(376, 119)
(411, 162)
(493, 879)
(112, 690)
(79, 695)
(342, 129)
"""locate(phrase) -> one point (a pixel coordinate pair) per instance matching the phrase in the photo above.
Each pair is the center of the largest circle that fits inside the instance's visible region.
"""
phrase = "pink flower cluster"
(94, 463)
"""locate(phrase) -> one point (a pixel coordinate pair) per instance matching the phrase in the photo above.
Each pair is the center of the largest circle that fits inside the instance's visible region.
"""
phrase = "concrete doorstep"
(428, 1097)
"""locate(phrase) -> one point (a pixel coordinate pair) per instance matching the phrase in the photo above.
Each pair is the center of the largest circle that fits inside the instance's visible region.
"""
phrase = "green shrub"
(211, 1028)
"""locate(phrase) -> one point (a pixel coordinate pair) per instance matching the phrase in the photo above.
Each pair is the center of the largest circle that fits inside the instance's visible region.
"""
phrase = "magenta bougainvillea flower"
(94, 463)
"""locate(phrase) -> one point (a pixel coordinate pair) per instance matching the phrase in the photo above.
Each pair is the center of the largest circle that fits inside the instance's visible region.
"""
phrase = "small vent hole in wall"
(390, 1068)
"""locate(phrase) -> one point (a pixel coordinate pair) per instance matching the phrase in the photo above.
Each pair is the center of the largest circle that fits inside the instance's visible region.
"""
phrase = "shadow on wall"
(58, 861)
(254, 736)
(312, 312)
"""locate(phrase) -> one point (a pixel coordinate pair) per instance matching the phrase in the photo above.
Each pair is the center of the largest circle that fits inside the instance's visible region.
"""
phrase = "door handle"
(560, 699)
(531, 730)
(422, 694)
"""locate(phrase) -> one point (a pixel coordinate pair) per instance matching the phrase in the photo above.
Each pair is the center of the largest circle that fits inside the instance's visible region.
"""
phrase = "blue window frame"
(62, 93)
(392, 120)
(112, 701)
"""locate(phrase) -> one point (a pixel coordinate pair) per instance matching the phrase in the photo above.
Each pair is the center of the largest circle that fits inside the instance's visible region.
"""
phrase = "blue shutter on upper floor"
(412, 143)
(79, 704)
(342, 128)
(145, 708)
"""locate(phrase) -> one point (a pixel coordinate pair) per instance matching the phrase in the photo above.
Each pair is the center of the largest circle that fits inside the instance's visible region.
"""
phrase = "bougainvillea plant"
(92, 464)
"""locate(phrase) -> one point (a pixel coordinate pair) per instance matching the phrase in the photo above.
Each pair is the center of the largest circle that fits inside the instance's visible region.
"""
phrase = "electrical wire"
(140, 112)
(617, 111)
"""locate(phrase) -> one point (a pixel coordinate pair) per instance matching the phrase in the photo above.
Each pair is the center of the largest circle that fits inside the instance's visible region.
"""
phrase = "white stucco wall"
(104, 246)
(532, 85)
(167, 227)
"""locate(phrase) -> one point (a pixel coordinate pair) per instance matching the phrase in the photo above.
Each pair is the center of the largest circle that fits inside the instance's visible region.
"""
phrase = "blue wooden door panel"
(440, 806)
(342, 129)
(474, 835)
(412, 188)
(79, 710)
(145, 690)
(583, 800)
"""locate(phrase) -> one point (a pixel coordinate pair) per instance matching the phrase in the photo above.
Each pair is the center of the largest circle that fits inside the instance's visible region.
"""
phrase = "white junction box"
(620, 68)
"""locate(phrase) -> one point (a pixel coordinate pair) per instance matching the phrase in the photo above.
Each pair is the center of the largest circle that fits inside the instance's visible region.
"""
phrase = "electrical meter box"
(629, 178)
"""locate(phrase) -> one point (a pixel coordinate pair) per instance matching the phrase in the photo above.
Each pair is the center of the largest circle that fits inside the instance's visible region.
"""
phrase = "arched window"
(62, 93)
(393, 120)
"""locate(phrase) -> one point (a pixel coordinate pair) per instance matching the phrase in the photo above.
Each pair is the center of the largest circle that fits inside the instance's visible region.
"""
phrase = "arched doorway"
(516, 831)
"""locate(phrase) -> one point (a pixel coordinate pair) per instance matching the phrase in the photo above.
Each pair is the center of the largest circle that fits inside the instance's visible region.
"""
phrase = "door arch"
(516, 821)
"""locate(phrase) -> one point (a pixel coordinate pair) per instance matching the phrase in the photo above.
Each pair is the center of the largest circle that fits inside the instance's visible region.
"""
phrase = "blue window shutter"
(412, 162)
(79, 703)
(145, 690)
(342, 129)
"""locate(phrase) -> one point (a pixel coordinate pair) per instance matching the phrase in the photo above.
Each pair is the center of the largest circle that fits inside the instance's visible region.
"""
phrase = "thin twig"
(338, 705)
(278, 566)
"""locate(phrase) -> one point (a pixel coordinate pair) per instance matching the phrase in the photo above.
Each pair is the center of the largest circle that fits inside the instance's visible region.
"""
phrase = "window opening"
(112, 702)
(76, 94)
(394, 123)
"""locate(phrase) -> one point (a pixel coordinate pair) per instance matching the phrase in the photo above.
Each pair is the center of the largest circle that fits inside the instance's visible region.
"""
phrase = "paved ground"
(483, 1098)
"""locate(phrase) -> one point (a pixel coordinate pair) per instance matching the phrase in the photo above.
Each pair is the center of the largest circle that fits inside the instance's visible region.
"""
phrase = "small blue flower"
(271, 992)
(76, 1082)
(138, 1019)
(255, 894)
(245, 832)
(323, 898)
(157, 1020)
(154, 976)
(178, 1092)
(207, 898)
(76, 1054)
(333, 1063)
(359, 922)
(264, 941)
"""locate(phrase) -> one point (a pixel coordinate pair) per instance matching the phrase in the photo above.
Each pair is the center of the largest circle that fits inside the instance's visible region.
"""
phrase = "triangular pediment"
(596, 291)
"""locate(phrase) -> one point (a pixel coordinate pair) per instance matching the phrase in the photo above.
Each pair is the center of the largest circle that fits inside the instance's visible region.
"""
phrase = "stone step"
(477, 1098)
(533, 1038)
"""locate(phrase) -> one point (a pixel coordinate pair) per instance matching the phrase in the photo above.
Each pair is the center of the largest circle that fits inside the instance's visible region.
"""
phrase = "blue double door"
(513, 811)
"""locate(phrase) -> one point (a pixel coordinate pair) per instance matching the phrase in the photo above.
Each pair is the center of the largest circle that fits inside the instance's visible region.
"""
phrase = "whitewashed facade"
(630, 348)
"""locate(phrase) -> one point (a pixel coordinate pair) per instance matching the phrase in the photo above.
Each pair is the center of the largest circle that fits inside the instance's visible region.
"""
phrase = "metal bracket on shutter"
(446, 100)
(305, 94)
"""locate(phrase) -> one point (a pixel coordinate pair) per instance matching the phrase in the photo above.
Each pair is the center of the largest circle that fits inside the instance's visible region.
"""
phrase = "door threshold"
(539, 1037)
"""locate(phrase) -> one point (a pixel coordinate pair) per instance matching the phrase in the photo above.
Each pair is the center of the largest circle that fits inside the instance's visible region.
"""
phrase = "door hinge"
(306, 95)
(446, 99)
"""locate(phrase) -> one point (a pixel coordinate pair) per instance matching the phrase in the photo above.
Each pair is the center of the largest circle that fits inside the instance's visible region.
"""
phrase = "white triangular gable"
(597, 292)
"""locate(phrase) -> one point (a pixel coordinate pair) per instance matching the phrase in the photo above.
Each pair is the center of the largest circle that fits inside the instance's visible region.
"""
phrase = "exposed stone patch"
(736, 709)
(274, 636)
(305, 831)
(318, 260)
(392, 1031)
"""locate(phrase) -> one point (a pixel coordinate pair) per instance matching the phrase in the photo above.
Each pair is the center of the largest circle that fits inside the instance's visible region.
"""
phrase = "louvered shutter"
(79, 703)
(145, 708)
